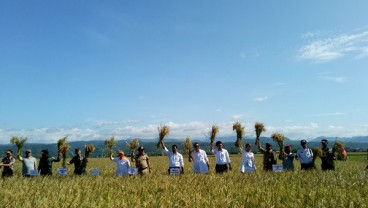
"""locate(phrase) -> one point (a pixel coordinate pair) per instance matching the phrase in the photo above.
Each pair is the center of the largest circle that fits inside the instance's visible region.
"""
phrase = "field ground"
(345, 187)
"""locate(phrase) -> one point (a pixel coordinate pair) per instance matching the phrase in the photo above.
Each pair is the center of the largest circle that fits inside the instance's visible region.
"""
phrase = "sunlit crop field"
(345, 187)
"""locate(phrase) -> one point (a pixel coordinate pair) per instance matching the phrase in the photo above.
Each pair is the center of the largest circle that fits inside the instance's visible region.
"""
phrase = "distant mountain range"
(352, 143)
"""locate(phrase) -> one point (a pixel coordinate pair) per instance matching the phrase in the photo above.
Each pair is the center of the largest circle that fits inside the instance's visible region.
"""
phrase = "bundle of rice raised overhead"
(188, 145)
(279, 138)
(19, 143)
(213, 133)
(240, 131)
(63, 149)
(163, 132)
(259, 128)
(133, 145)
(110, 143)
(88, 149)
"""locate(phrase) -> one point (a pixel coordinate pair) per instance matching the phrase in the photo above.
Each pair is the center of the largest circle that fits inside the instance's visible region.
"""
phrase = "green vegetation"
(345, 187)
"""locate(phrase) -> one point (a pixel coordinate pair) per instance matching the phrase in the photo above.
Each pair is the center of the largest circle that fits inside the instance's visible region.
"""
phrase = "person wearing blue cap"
(305, 156)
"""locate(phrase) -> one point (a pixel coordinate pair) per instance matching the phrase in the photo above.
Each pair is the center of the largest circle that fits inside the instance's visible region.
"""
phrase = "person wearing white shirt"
(199, 159)
(305, 156)
(248, 164)
(122, 164)
(29, 163)
(223, 162)
(175, 159)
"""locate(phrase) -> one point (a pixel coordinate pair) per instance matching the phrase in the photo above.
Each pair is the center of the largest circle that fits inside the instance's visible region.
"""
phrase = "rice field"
(347, 186)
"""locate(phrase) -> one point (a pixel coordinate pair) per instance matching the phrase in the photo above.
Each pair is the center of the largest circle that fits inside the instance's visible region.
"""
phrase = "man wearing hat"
(269, 158)
(45, 166)
(28, 163)
(327, 157)
(142, 162)
(305, 156)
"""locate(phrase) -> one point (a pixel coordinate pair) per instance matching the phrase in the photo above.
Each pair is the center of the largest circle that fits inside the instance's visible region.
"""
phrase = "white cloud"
(328, 49)
(340, 79)
(330, 114)
(279, 84)
(218, 110)
(260, 99)
(237, 116)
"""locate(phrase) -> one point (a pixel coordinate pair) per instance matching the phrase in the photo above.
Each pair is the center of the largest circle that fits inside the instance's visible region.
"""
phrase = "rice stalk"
(88, 149)
(213, 133)
(19, 143)
(110, 143)
(259, 128)
(240, 131)
(63, 149)
(338, 147)
(163, 132)
(188, 147)
(279, 138)
(133, 145)
(317, 152)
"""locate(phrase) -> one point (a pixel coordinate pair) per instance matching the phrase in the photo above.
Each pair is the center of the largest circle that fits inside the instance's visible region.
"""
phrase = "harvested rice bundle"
(279, 138)
(110, 143)
(163, 132)
(188, 145)
(259, 128)
(340, 150)
(63, 149)
(133, 145)
(213, 133)
(19, 143)
(317, 152)
(88, 149)
(240, 131)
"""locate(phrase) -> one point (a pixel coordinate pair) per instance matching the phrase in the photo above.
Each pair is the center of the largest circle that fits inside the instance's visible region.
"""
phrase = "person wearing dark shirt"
(7, 164)
(45, 164)
(269, 158)
(80, 163)
(328, 156)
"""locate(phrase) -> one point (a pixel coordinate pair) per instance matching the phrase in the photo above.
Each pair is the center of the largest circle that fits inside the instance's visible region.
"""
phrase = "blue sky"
(94, 69)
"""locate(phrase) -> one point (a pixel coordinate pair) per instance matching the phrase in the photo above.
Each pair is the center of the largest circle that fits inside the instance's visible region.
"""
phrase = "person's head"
(174, 148)
(28, 153)
(45, 153)
(9, 153)
(324, 143)
(196, 147)
(140, 150)
(287, 149)
(219, 145)
(121, 154)
(303, 143)
(247, 147)
(77, 151)
(268, 146)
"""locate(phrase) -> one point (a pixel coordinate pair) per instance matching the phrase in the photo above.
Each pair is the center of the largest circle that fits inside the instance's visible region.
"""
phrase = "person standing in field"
(248, 164)
(80, 163)
(269, 158)
(287, 158)
(7, 164)
(142, 162)
(223, 162)
(176, 160)
(45, 165)
(199, 159)
(122, 164)
(305, 156)
(327, 157)
(28, 163)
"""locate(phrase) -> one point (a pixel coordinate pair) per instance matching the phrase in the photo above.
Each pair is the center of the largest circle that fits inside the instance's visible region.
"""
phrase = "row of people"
(176, 162)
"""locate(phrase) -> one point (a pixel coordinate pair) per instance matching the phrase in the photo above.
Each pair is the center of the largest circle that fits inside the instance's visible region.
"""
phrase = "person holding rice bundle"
(122, 164)
(248, 164)
(176, 160)
(287, 158)
(45, 165)
(28, 163)
(7, 163)
(142, 162)
(80, 163)
(199, 159)
(327, 157)
(305, 156)
(223, 162)
(269, 158)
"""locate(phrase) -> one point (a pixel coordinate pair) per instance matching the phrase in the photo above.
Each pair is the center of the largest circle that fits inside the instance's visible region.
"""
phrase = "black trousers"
(221, 168)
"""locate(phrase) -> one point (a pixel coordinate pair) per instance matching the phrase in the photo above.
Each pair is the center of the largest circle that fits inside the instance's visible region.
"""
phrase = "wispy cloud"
(237, 116)
(261, 99)
(98, 37)
(330, 114)
(279, 84)
(338, 79)
(328, 49)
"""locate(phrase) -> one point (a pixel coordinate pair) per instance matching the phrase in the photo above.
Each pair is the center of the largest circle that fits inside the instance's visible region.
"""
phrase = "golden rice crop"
(317, 152)
(19, 143)
(279, 138)
(213, 133)
(63, 149)
(240, 131)
(188, 145)
(88, 149)
(133, 145)
(163, 131)
(110, 143)
(259, 128)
